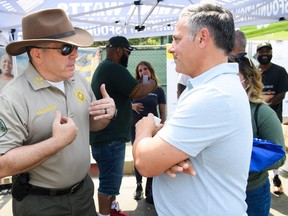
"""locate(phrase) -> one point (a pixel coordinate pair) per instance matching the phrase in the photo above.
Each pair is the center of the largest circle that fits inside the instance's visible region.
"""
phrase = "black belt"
(35, 190)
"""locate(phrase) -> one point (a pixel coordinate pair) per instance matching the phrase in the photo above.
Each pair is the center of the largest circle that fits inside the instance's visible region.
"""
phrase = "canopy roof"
(135, 19)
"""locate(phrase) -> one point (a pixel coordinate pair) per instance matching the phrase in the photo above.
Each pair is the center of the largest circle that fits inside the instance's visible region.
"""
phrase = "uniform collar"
(36, 80)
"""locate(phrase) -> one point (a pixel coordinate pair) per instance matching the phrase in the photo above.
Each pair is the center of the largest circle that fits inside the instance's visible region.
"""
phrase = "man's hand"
(147, 127)
(103, 108)
(184, 166)
(64, 130)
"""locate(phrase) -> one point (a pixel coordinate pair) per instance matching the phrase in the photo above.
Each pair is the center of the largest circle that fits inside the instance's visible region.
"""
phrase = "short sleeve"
(13, 131)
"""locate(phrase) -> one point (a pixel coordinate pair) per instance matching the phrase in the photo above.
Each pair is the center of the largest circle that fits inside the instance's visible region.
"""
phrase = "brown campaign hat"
(49, 25)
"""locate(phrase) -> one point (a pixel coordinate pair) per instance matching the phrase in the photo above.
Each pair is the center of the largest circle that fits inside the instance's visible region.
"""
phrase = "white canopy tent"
(134, 19)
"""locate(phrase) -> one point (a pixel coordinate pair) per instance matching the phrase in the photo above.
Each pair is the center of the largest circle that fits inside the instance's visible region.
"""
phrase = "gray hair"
(218, 20)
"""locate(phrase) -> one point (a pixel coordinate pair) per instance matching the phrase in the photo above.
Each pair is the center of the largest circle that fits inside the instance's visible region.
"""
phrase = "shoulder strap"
(256, 117)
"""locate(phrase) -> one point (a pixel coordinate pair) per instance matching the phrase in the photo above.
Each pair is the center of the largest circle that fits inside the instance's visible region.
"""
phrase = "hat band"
(62, 35)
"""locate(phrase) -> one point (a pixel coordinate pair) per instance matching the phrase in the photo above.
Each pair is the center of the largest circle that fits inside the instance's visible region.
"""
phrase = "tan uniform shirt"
(27, 112)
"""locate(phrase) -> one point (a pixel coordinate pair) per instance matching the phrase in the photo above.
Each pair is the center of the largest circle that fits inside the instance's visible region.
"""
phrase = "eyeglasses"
(66, 49)
(239, 58)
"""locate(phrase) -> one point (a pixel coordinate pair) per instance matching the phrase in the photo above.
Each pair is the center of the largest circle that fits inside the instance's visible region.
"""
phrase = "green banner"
(273, 31)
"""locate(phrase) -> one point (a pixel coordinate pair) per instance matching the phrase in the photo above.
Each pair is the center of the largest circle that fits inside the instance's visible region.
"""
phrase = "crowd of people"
(195, 162)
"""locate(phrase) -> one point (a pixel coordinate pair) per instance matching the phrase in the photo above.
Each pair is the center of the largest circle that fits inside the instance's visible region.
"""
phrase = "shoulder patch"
(3, 128)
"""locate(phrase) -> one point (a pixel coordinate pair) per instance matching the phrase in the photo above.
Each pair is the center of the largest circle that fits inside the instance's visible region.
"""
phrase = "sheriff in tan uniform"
(31, 113)
(45, 118)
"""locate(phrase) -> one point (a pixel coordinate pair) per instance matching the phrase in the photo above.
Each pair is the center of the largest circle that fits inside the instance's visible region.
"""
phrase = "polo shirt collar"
(225, 68)
(36, 80)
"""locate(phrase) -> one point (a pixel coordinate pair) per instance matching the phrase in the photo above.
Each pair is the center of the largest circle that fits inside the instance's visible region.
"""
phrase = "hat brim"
(81, 38)
(264, 46)
(129, 48)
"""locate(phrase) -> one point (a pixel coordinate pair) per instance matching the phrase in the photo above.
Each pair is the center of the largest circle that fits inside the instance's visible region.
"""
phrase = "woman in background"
(269, 127)
(6, 66)
(141, 107)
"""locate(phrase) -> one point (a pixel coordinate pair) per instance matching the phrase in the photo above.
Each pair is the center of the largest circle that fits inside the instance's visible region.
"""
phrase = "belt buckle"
(74, 188)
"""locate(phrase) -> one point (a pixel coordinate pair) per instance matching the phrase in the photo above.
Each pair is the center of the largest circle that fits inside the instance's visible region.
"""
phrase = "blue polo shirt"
(211, 123)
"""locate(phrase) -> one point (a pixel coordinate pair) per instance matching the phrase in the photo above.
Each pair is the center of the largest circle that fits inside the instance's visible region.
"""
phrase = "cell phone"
(145, 78)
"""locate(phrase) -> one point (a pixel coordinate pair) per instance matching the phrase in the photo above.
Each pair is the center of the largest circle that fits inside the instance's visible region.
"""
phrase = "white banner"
(135, 19)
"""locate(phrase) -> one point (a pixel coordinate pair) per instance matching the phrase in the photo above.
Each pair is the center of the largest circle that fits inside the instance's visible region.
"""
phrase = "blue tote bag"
(264, 154)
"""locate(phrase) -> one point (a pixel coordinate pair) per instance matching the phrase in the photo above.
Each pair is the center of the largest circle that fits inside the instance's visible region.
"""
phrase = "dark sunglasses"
(66, 49)
(128, 51)
(241, 58)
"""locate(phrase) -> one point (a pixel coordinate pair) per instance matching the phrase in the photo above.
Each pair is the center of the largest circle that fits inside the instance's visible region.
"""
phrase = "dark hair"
(240, 38)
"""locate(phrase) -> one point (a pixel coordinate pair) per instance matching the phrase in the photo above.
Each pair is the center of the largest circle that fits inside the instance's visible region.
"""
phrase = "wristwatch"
(115, 115)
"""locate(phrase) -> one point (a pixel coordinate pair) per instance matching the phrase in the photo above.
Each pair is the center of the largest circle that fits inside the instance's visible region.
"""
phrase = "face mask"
(124, 60)
(264, 59)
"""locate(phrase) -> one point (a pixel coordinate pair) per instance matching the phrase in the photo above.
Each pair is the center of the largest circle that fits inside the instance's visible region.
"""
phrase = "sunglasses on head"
(241, 57)
(66, 49)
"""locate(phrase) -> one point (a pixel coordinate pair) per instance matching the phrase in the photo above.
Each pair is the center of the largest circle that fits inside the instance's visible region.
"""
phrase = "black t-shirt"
(120, 84)
(150, 103)
(275, 81)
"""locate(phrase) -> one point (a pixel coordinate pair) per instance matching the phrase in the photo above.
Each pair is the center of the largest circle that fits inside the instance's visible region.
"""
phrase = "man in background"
(109, 144)
(275, 81)
(240, 43)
